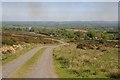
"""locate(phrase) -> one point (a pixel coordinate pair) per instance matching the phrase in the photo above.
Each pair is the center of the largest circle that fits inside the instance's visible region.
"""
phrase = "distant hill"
(64, 24)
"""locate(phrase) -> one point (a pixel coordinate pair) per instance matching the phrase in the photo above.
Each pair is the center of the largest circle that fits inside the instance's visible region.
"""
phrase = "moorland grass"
(71, 62)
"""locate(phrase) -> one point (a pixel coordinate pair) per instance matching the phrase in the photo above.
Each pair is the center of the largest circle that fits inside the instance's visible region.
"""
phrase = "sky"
(59, 0)
(59, 11)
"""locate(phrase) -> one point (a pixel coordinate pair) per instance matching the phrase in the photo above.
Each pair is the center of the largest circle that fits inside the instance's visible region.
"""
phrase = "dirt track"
(43, 69)
(11, 67)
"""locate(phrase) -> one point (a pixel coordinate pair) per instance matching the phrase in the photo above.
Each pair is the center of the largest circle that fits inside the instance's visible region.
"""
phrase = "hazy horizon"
(60, 11)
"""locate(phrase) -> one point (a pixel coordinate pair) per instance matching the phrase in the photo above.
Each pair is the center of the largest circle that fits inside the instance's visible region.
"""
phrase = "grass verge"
(26, 67)
(62, 72)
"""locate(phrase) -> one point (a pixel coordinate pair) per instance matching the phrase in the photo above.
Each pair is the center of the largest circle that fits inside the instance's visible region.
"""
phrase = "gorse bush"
(114, 75)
